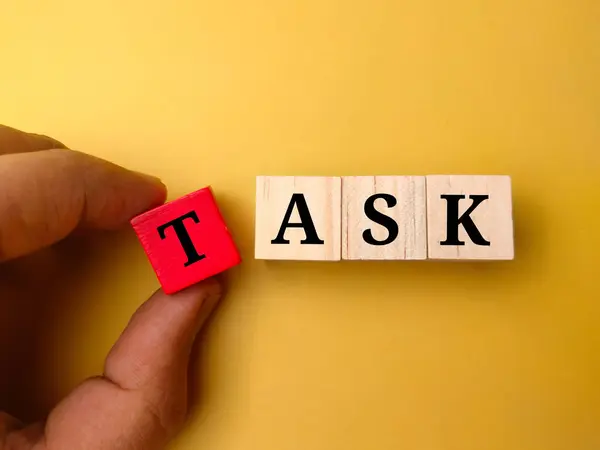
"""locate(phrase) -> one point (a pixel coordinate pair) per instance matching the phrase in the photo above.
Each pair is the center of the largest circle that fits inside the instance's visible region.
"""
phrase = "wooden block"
(298, 218)
(469, 217)
(384, 217)
(186, 240)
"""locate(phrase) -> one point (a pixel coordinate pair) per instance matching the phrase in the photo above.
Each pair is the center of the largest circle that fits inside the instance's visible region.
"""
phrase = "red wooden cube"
(186, 240)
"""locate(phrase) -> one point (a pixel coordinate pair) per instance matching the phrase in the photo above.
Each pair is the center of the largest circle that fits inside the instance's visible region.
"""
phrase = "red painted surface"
(210, 238)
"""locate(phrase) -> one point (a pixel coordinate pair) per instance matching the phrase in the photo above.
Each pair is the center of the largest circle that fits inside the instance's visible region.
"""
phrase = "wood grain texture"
(323, 197)
(409, 213)
(492, 217)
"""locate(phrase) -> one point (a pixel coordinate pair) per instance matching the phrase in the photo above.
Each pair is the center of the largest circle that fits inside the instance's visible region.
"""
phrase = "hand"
(47, 194)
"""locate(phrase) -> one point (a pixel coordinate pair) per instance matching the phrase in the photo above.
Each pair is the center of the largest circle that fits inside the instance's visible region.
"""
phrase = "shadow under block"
(298, 218)
(469, 217)
(384, 218)
(186, 240)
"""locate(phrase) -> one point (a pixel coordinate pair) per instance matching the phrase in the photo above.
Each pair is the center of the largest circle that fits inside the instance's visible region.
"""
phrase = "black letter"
(183, 236)
(305, 222)
(453, 221)
(381, 219)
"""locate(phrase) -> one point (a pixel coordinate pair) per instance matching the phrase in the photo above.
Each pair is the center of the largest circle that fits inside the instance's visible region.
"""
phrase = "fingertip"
(152, 180)
(206, 293)
(116, 195)
(145, 192)
(205, 288)
(202, 297)
(151, 187)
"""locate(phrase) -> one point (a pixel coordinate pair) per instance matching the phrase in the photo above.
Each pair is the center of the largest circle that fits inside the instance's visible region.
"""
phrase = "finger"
(141, 402)
(16, 141)
(8, 423)
(15, 435)
(45, 195)
(159, 337)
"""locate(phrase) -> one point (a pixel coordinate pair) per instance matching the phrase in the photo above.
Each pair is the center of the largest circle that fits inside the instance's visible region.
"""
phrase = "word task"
(186, 240)
(458, 217)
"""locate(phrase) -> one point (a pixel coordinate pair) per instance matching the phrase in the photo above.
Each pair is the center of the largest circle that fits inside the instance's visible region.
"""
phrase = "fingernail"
(45, 141)
(156, 186)
(150, 178)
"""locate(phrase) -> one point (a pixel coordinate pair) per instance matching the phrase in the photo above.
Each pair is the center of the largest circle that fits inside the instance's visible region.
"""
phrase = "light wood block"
(311, 205)
(384, 217)
(478, 225)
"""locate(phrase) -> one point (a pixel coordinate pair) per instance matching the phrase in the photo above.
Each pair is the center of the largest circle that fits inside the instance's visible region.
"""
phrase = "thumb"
(154, 348)
(142, 399)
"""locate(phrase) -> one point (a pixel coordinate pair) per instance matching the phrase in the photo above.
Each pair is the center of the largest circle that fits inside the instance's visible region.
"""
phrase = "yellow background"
(349, 356)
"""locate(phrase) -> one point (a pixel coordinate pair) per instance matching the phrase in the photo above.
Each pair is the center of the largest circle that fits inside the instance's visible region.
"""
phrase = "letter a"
(306, 222)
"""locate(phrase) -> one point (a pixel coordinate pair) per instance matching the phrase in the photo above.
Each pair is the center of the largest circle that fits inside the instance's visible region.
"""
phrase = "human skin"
(49, 196)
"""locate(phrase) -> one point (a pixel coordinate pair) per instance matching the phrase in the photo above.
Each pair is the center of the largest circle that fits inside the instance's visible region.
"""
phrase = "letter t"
(183, 236)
